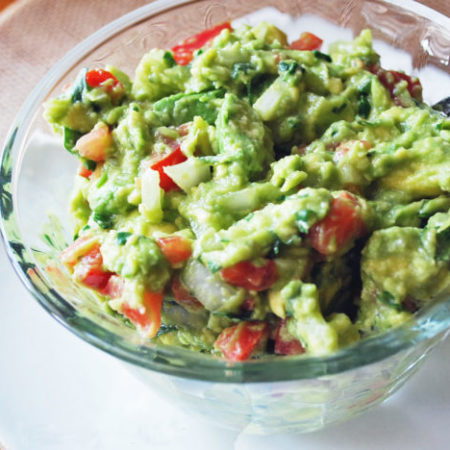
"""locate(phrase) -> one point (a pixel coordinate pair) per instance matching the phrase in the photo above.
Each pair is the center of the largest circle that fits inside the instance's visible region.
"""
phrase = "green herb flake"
(249, 216)
(388, 299)
(288, 67)
(102, 181)
(103, 220)
(213, 267)
(364, 87)
(48, 239)
(304, 219)
(364, 106)
(169, 59)
(122, 237)
(276, 247)
(70, 139)
(324, 56)
(240, 68)
(79, 86)
(88, 163)
(163, 329)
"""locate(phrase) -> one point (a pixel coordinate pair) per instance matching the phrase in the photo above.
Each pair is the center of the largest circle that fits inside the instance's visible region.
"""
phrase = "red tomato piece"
(153, 304)
(411, 304)
(183, 296)
(175, 248)
(94, 145)
(344, 147)
(285, 343)
(114, 287)
(248, 276)
(171, 159)
(135, 315)
(170, 142)
(183, 129)
(184, 52)
(96, 278)
(181, 56)
(80, 247)
(84, 172)
(99, 78)
(307, 41)
(342, 224)
(414, 85)
(249, 303)
(89, 270)
(390, 78)
(147, 317)
(239, 342)
(353, 188)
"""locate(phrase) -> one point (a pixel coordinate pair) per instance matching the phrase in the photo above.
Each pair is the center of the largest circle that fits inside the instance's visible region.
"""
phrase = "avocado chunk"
(181, 108)
(242, 137)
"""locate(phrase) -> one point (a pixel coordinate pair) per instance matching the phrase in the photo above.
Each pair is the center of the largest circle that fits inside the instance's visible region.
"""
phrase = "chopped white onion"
(212, 292)
(189, 173)
(151, 195)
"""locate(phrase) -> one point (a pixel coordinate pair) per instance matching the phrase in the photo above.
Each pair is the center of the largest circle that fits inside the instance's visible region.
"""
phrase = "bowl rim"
(430, 323)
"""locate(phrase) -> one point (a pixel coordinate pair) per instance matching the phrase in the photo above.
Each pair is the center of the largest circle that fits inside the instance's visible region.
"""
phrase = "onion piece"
(211, 291)
(151, 195)
(189, 173)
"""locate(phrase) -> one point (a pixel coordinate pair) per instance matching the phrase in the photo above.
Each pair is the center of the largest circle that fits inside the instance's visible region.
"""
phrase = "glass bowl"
(262, 396)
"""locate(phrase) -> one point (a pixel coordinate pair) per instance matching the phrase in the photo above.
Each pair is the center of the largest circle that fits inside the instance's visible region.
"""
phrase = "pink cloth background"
(34, 34)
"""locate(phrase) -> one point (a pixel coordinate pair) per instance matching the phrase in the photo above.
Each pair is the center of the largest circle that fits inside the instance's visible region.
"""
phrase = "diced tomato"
(153, 302)
(95, 278)
(138, 317)
(183, 129)
(249, 303)
(89, 270)
(248, 276)
(410, 304)
(55, 273)
(184, 52)
(114, 287)
(307, 41)
(170, 142)
(183, 296)
(342, 224)
(80, 247)
(95, 144)
(148, 317)
(84, 172)
(175, 248)
(353, 188)
(239, 342)
(344, 147)
(171, 159)
(181, 56)
(390, 78)
(285, 343)
(102, 78)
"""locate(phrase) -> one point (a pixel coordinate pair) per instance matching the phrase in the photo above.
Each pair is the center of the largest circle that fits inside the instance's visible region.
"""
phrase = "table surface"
(57, 392)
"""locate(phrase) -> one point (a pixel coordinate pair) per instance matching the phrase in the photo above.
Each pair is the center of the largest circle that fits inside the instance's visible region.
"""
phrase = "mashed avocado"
(240, 197)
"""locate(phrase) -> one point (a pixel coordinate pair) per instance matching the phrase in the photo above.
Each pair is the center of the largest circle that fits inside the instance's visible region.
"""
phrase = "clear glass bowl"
(271, 395)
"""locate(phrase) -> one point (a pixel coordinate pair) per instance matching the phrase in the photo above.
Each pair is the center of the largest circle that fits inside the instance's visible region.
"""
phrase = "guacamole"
(243, 196)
